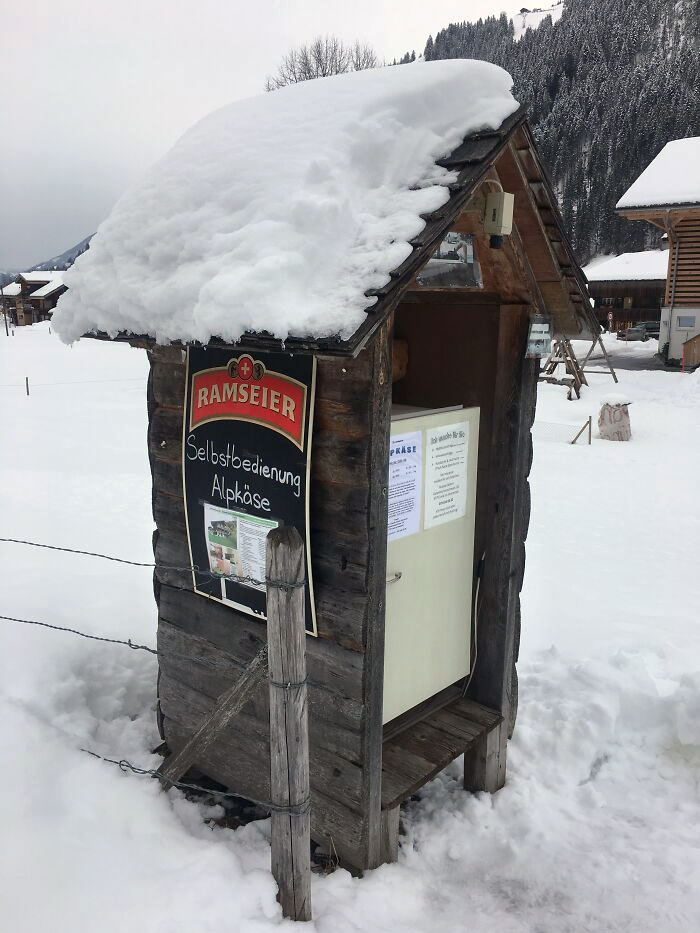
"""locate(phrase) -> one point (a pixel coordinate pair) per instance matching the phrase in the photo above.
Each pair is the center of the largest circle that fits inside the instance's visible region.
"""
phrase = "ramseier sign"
(246, 455)
(244, 390)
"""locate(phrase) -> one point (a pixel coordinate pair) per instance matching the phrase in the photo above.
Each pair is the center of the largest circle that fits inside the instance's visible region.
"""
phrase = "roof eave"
(472, 171)
(319, 347)
(627, 281)
(631, 211)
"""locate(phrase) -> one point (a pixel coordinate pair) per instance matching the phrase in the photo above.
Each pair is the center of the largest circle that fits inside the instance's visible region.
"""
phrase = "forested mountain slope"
(608, 85)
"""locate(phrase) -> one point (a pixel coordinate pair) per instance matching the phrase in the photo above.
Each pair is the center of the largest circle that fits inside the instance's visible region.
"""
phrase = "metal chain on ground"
(298, 809)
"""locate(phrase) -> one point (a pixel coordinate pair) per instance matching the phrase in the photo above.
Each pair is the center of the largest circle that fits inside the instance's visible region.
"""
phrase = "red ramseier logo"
(246, 391)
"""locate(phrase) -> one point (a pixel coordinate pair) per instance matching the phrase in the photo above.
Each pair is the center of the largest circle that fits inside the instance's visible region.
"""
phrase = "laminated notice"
(446, 453)
(404, 484)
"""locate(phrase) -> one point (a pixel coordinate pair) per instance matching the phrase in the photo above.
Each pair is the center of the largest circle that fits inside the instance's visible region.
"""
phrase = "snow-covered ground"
(597, 826)
(532, 18)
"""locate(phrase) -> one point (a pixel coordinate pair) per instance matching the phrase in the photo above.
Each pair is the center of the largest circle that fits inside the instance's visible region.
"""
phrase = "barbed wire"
(167, 654)
(70, 550)
(238, 578)
(298, 809)
(293, 809)
(75, 631)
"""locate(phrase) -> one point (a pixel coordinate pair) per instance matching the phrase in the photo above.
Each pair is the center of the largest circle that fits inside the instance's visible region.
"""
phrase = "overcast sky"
(92, 92)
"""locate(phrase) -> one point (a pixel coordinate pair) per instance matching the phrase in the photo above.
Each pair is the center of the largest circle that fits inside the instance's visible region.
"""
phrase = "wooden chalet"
(629, 288)
(35, 295)
(458, 351)
(667, 194)
(44, 298)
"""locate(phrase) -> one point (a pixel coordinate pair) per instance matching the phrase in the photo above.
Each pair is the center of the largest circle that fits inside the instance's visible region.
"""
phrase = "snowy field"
(597, 827)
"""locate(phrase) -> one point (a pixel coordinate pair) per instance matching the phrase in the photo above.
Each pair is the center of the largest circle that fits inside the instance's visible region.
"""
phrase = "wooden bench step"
(414, 756)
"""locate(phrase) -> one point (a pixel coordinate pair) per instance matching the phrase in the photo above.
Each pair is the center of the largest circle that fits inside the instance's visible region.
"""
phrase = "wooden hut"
(416, 439)
(667, 194)
(422, 347)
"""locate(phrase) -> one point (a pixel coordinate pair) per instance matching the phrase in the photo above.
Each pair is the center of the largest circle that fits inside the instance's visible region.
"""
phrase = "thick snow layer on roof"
(12, 289)
(49, 288)
(673, 177)
(532, 18)
(279, 212)
(41, 275)
(650, 265)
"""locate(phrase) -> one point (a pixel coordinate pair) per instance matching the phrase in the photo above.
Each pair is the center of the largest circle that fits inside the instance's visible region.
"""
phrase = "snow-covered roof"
(673, 177)
(40, 276)
(49, 288)
(650, 265)
(12, 289)
(278, 213)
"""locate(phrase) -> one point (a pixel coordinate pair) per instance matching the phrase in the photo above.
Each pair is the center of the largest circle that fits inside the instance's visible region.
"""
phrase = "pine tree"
(607, 86)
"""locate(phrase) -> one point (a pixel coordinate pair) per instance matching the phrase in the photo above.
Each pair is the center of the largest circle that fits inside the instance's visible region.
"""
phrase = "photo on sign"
(236, 545)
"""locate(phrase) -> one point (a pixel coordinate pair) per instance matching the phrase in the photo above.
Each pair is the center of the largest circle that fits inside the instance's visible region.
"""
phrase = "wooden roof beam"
(510, 164)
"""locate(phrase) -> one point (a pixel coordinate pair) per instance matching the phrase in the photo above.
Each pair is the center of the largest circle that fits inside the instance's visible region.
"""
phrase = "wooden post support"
(390, 834)
(485, 766)
(289, 728)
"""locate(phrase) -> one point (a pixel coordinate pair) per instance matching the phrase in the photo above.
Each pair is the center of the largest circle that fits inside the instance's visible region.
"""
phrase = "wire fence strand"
(169, 655)
(296, 808)
(243, 579)
(74, 631)
(300, 808)
(219, 663)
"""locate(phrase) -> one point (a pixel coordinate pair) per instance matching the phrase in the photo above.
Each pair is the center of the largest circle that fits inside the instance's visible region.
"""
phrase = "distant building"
(33, 296)
(629, 287)
(8, 302)
(44, 298)
(667, 194)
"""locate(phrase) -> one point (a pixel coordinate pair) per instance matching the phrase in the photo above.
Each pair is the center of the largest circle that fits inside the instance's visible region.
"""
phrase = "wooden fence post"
(289, 729)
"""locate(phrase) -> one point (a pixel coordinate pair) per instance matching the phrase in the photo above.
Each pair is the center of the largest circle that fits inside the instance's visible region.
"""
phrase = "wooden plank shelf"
(421, 751)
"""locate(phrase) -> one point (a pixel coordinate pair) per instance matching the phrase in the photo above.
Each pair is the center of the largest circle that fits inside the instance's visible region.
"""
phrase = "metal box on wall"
(430, 555)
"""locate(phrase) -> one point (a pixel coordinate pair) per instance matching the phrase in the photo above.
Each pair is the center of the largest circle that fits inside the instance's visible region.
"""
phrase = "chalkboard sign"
(245, 468)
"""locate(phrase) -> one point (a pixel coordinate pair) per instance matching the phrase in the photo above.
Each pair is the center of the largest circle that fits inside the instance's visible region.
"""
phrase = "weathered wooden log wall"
(508, 513)
(345, 663)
